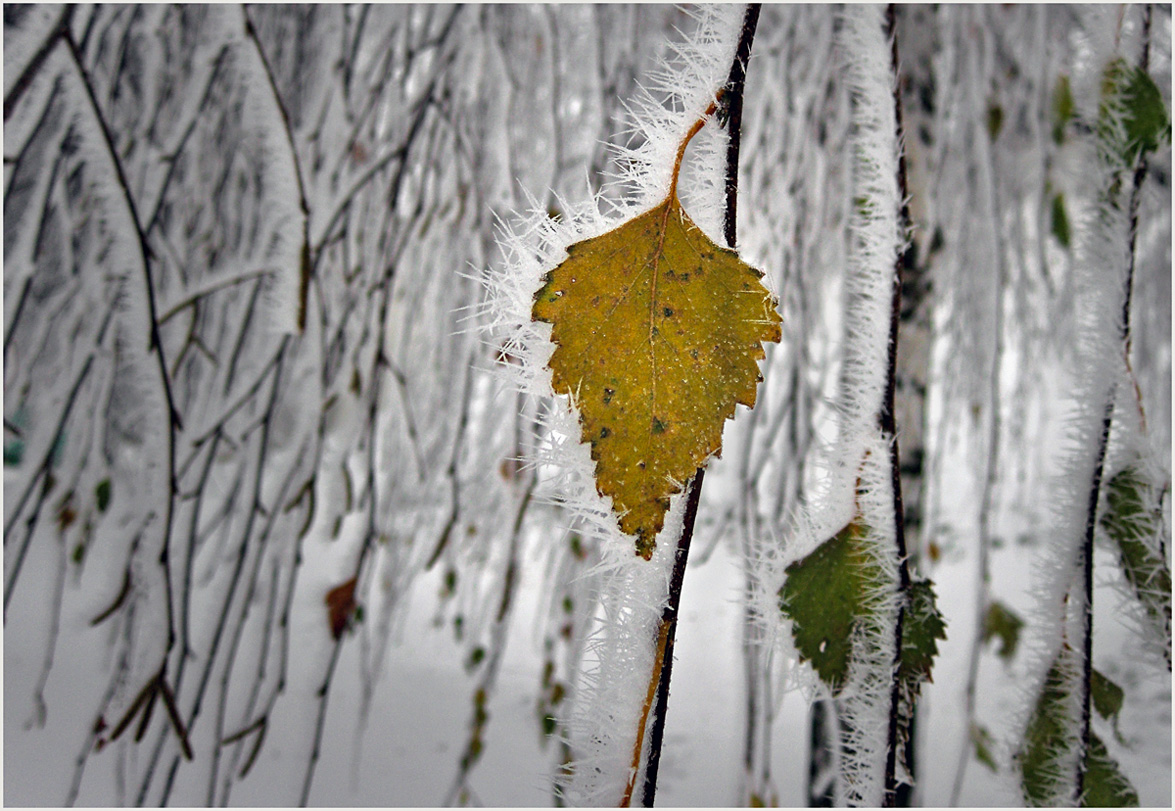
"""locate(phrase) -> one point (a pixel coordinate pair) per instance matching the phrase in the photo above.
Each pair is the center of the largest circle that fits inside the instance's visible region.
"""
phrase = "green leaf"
(1046, 745)
(1064, 108)
(1002, 623)
(1145, 119)
(1060, 221)
(1105, 785)
(824, 596)
(995, 120)
(1107, 696)
(981, 739)
(13, 452)
(1130, 520)
(1127, 517)
(1147, 122)
(102, 493)
(922, 627)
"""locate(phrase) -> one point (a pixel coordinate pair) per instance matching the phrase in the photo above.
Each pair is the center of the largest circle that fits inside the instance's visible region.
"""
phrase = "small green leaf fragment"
(475, 658)
(1046, 745)
(13, 452)
(1105, 785)
(995, 120)
(981, 739)
(102, 494)
(1060, 221)
(1144, 116)
(1002, 623)
(922, 627)
(1064, 108)
(576, 544)
(1131, 520)
(1107, 696)
(824, 596)
(1147, 123)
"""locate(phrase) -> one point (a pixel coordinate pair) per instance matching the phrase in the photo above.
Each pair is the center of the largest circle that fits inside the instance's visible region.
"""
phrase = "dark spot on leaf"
(668, 312)
(658, 426)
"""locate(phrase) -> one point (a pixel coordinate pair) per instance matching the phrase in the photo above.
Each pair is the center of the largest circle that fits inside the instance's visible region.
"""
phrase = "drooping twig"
(1085, 558)
(888, 425)
(732, 98)
(174, 420)
(304, 252)
(987, 519)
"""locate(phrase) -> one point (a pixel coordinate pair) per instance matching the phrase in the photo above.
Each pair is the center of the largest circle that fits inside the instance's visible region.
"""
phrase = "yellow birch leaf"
(658, 334)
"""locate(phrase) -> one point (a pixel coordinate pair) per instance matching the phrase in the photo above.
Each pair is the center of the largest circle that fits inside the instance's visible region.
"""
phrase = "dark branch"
(732, 98)
(888, 424)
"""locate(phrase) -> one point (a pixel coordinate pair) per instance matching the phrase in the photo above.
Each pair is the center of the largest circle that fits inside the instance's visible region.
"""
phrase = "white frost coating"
(876, 236)
(606, 705)
(136, 382)
(859, 485)
(284, 220)
(1100, 383)
(864, 702)
(876, 242)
